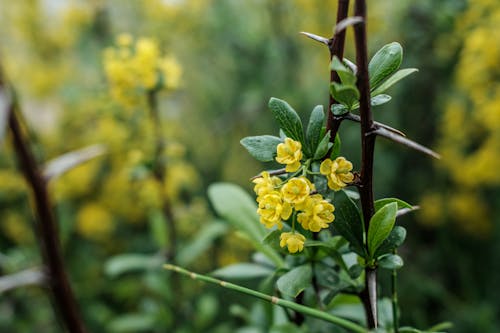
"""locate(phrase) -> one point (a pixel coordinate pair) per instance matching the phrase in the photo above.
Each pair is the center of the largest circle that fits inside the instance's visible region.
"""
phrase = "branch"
(384, 132)
(369, 294)
(275, 300)
(47, 234)
(336, 47)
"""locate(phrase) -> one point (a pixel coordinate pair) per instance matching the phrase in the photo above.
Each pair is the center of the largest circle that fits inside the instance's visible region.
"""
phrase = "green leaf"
(233, 204)
(384, 63)
(133, 322)
(336, 147)
(348, 221)
(273, 240)
(130, 262)
(393, 241)
(262, 148)
(158, 228)
(344, 94)
(339, 109)
(382, 202)
(398, 76)
(441, 326)
(295, 281)
(323, 147)
(201, 242)
(391, 262)
(288, 119)
(380, 227)
(345, 74)
(242, 271)
(380, 99)
(313, 133)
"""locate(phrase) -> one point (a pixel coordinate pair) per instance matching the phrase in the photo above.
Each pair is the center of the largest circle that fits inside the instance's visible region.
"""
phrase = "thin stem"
(394, 298)
(46, 227)
(336, 47)
(369, 295)
(275, 300)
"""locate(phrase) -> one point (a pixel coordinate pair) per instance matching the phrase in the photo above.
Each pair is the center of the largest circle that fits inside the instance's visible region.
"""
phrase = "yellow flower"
(316, 213)
(272, 209)
(289, 153)
(294, 241)
(94, 222)
(296, 190)
(337, 172)
(265, 184)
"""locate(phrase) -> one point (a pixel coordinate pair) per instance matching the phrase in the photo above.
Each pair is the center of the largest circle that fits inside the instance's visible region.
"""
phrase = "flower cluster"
(133, 68)
(295, 199)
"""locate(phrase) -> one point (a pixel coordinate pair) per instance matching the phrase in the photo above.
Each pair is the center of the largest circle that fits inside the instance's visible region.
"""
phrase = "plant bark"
(369, 295)
(46, 227)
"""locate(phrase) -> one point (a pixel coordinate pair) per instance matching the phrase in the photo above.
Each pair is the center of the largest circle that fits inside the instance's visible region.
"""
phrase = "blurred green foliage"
(234, 55)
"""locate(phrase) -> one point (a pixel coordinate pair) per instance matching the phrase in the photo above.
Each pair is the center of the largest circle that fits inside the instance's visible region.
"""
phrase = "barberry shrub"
(320, 234)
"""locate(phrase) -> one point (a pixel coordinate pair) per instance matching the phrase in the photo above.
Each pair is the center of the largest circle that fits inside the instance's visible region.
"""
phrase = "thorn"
(351, 65)
(317, 38)
(405, 211)
(342, 25)
(356, 118)
(406, 142)
(271, 173)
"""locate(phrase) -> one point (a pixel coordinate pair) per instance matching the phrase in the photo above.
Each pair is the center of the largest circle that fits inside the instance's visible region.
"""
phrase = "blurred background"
(219, 62)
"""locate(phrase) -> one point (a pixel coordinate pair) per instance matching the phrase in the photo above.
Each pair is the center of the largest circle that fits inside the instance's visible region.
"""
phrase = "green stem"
(394, 292)
(275, 300)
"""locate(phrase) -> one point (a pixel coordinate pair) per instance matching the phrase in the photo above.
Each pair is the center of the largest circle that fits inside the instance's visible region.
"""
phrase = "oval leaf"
(262, 148)
(288, 119)
(237, 207)
(323, 147)
(380, 99)
(347, 95)
(339, 109)
(398, 76)
(391, 261)
(295, 281)
(125, 263)
(384, 63)
(348, 221)
(393, 241)
(382, 202)
(313, 133)
(380, 226)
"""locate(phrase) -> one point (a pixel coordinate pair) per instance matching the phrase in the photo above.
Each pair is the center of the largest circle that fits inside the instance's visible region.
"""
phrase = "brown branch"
(336, 47)
(369, 294)
(47, 233)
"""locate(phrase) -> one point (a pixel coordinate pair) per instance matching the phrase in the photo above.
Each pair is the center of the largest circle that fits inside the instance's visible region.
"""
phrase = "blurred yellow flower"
(289, 153)
(15, 227)
(94, 222)
(272, 210)
(316, 213)
(132, 69)
(293, 241)
(337, 172)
